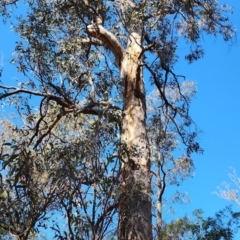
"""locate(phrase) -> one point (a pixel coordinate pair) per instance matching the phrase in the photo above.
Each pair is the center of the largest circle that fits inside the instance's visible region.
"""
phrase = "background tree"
(227, 192)
(167, 169)
(84, 63)
(222, 226)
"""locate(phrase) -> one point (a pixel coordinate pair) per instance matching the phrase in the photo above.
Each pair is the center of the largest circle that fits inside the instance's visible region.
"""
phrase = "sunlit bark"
(135, 207)
(135, 210)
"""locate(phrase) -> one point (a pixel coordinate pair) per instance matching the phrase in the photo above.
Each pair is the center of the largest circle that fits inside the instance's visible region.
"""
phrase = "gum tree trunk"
(135, 207)
(135, 203)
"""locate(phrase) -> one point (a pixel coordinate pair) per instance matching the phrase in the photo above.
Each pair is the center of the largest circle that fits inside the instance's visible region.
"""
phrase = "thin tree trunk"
(161, 188)
(135, 207)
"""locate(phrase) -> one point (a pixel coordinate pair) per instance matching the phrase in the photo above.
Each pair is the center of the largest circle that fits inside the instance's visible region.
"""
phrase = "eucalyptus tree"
(91, 61)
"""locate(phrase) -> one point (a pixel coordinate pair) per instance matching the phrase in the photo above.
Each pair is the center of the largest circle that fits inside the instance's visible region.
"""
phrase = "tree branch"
(59, 116)
(104, 214)
(92, 41)
(19, 90)
(159, 87)
(102, 34)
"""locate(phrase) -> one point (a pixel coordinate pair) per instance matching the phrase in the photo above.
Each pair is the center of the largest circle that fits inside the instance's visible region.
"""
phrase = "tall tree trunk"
(135, 204)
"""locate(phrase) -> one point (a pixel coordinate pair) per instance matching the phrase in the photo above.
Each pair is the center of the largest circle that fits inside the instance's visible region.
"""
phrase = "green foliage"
(222, 226)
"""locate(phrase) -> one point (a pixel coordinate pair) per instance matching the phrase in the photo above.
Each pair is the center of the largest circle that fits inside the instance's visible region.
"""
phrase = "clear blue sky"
(215, 109)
